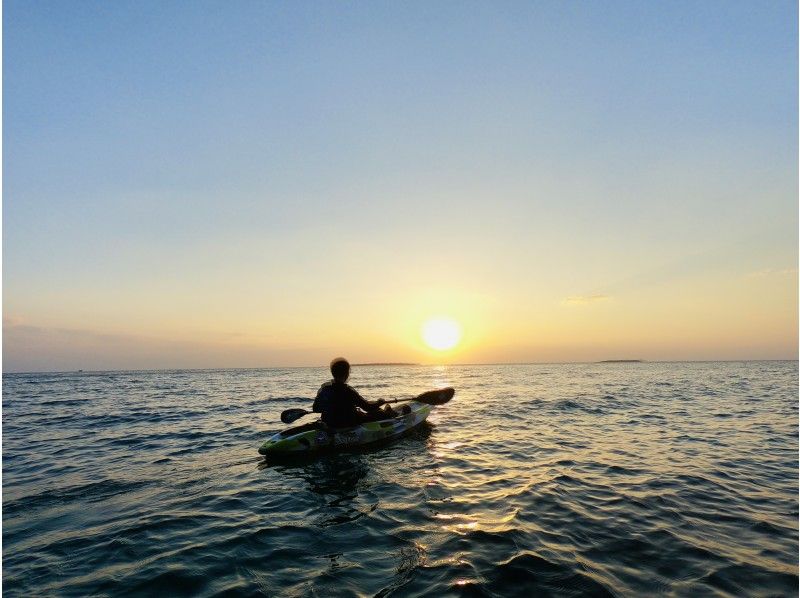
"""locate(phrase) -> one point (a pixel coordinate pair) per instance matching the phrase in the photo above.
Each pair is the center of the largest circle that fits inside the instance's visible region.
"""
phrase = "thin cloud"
(584, 299)
(11, 320)
(772, 272)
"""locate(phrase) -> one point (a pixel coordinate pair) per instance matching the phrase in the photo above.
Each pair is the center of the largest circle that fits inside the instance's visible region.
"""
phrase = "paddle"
(432, 397)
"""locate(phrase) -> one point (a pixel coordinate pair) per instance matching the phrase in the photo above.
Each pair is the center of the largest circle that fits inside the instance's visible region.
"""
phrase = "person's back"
(340, 405)
(337, 402)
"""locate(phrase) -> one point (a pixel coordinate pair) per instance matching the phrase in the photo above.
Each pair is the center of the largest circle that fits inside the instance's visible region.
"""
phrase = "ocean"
(605, 479)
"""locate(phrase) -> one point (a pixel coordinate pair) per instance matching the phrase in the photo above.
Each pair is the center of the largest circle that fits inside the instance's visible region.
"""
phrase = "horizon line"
(298, 367)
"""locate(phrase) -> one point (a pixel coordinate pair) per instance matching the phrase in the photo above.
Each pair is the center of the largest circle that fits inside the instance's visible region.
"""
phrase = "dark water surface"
(565, 480)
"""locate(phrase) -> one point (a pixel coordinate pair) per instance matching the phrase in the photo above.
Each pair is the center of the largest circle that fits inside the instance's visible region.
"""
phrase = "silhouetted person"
(341, 406)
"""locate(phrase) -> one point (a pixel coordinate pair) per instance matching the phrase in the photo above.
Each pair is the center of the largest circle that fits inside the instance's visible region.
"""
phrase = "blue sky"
(165, 161)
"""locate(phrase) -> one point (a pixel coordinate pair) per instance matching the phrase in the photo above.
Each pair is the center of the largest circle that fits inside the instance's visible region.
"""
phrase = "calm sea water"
(564, 480)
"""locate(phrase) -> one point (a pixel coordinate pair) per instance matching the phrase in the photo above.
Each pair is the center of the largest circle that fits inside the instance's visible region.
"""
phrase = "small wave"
(736, 579)
(568, 405)
(528, 574)
(89, 492)
(620, 470)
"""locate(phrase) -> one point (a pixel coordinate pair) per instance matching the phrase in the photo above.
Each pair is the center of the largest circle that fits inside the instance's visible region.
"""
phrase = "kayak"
(316, 437)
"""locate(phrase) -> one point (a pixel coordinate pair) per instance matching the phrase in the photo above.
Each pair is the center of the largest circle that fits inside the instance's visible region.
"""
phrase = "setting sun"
(441, 333)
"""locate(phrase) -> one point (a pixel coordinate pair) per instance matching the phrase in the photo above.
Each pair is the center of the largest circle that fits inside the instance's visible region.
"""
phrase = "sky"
(253, 184)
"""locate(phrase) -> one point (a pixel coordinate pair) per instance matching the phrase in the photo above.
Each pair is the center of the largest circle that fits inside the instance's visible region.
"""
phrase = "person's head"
(340, 369)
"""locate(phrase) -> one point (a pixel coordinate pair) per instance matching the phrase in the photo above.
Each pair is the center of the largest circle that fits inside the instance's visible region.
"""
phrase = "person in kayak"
(341, 406)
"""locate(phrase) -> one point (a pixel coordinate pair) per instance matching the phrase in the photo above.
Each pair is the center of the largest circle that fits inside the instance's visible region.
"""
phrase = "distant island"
(384, 363)
(622, 361)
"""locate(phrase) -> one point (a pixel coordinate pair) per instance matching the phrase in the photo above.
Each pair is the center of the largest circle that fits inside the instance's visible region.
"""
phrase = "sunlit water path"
(567, 480)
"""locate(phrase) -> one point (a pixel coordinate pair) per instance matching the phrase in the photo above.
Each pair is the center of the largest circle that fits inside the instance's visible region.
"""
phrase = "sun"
(441, 334)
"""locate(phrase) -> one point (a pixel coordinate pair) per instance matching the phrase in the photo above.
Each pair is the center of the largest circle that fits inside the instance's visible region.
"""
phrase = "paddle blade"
(436, 397)
(292, 415)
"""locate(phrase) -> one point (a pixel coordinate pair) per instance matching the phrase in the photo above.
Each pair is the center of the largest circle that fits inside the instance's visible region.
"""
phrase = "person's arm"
(365, 404)
(318, 400)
